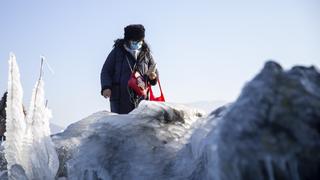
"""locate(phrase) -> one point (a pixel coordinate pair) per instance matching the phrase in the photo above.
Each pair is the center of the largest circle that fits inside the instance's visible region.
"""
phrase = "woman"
(130, 54)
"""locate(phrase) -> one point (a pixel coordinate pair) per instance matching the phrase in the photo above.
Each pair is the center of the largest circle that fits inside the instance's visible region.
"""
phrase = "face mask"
(135, 45)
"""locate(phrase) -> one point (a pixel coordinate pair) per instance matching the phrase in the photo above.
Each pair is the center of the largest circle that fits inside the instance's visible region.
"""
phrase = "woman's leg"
(115, 106)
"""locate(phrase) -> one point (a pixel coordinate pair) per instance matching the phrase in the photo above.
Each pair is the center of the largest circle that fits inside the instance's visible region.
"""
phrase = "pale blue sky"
(205, 50)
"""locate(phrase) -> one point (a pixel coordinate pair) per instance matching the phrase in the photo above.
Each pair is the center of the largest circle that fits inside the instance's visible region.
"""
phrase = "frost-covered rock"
(140, 145)
(272, 131)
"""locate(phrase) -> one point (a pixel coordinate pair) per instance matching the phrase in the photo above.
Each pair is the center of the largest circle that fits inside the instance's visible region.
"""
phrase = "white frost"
(28, 144)
(43, 163)
(16, 124)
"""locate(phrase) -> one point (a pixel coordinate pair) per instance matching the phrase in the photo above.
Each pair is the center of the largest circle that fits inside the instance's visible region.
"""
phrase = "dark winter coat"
(116, 73)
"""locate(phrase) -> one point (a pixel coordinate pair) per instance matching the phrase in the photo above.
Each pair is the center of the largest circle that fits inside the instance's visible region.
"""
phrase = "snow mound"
(140, 145)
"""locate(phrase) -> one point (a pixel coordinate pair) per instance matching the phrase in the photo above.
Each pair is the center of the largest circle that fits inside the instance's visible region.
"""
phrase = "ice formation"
(16, 124)
(43, 160)
(29, 145)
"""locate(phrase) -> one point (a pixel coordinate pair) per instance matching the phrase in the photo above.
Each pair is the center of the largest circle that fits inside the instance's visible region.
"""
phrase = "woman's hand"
(106, 93)
(152, 75)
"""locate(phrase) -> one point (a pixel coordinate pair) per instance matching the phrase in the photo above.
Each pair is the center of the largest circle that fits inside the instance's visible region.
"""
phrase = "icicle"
(15, 122)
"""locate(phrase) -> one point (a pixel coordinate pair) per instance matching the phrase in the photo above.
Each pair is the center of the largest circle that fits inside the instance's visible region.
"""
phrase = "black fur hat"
(134, 32)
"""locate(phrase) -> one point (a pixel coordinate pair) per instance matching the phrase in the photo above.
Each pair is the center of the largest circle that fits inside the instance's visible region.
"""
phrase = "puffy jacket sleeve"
(152, 62)
(108, 71)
